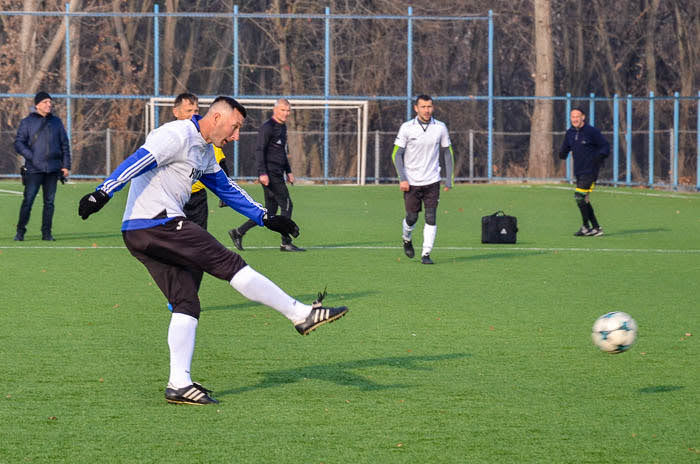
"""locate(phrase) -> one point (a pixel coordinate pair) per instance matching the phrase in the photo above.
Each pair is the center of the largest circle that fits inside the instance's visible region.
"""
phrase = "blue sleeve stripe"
(245, 194)
(139, 162)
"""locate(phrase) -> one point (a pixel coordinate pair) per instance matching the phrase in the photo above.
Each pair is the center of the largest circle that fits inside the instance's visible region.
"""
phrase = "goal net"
(327, 138)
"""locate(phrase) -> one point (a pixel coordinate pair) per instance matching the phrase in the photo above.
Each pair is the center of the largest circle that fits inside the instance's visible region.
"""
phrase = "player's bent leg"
(306, 318)
(407, 226)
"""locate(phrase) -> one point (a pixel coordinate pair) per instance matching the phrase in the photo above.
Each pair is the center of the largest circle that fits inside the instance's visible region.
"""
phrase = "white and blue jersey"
(162, 173)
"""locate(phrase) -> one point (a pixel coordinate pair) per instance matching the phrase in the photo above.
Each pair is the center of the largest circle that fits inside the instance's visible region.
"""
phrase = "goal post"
(155, 104)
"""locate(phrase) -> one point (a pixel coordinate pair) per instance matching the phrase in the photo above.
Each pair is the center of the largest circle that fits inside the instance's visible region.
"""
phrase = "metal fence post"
(697, 145)
(569, 159)
(616, 139)
(236, 147)
(591, 109)
(409, 64)
(326, 92)
(69, 124)
(376, 156)
(490, 102)
(651, 139)
(108, 152)
(676, 123)
(156, 63)
(628, 141)
(471, 155)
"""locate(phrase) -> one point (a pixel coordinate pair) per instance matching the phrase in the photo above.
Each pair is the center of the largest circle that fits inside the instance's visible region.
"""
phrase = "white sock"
(255, 286)
(181, 336)
(407, 230)
(429, 233)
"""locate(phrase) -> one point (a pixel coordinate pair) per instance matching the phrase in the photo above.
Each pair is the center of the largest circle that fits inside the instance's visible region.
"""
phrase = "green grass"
(484, 357)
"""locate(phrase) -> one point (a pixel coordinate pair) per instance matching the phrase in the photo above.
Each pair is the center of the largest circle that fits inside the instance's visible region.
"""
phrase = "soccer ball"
(614, 332)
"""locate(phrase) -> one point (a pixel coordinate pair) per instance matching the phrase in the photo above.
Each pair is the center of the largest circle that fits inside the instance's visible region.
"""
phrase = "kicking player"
(157, 233)
(416, 156)
(589, 149)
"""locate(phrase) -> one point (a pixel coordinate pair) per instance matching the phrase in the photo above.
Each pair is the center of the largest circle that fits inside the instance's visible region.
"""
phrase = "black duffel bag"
(499, 228)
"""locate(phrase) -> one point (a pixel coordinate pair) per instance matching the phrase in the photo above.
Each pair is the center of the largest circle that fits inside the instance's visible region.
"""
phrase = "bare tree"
(540, 159)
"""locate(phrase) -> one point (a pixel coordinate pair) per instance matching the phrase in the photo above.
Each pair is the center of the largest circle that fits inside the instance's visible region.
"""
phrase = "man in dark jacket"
(273, 170)
(589, 149)
(42, 141)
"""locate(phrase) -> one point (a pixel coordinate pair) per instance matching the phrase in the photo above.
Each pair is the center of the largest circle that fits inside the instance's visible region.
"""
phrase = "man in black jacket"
(42, 141)
(590, 150)
(273, 169)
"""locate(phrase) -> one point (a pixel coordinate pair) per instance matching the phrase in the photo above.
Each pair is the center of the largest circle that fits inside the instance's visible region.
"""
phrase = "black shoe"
(595, 232)
(19, 237)
(237, 238)
(290, 247)
(194, 394)
(48, 238)
(408, 248)
(582, 232)
(425, 259)
(319, 315)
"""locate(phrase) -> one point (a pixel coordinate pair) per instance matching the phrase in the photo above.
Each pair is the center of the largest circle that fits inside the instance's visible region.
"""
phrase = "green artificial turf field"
(484, 357)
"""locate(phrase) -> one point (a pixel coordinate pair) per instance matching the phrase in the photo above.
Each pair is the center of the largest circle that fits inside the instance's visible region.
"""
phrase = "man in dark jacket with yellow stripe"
(590, 149)
(43, 143)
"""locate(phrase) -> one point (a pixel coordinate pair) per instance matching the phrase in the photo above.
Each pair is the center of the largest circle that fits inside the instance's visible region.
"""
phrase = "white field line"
(505, 248)
(614, 191)
(11, 191)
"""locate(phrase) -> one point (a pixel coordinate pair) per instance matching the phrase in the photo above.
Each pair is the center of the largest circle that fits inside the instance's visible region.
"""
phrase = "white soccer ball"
(614, 332)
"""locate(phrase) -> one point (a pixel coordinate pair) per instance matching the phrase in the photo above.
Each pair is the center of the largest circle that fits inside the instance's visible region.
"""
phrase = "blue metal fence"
(410, 19)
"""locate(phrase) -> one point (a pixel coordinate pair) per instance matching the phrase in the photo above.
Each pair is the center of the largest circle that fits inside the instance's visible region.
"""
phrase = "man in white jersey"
(157, 233)
(416, 156)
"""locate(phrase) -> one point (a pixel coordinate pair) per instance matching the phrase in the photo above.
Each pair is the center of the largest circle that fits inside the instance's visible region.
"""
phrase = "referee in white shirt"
(416, 156)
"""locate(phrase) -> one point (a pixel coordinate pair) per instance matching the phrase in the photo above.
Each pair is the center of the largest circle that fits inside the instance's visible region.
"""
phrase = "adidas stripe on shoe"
(319, 315)
(193, 394)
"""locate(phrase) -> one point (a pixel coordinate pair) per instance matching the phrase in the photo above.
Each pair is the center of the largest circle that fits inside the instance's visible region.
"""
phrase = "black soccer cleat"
(425, 259)
(290, 247)
(582, 232)
(408, 248)
(319, 315)
(237, 238)
(193, 394)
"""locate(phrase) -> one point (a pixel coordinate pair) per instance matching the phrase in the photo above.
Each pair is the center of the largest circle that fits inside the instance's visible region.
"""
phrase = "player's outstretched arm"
(92, 203)
(281, 224)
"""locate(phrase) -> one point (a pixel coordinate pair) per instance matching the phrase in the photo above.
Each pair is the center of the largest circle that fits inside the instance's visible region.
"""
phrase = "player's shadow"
(661, 389)
(335, 299)
(342, 373)
(637, 231)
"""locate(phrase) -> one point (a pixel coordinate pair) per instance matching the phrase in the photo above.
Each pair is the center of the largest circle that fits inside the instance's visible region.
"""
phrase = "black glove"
(92, 203)
(281, 224)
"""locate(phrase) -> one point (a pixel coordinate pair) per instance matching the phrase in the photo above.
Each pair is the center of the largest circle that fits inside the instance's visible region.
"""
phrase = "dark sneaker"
(48, 238)
(194, 394)
(595, 232)
(425, 259)
(237, 238)
(319, 315)
(582, 232)
(408, 248)
(19, 237)
(290, 247)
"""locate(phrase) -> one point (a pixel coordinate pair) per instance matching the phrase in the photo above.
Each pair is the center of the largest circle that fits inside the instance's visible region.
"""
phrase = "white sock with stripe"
(429, 233)
(407, 230)
(255, 286)
(181, 336)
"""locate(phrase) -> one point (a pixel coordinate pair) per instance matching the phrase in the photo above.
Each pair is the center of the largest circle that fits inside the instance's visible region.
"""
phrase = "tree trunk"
(540, 159)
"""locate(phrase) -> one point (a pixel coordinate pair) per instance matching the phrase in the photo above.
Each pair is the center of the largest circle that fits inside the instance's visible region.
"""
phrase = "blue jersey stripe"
(139, 162)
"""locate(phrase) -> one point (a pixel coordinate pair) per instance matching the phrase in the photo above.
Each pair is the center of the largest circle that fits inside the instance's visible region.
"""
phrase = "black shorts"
(174, 253)
(585, 183)
(421, 194)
